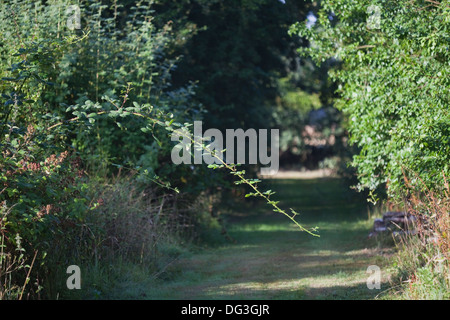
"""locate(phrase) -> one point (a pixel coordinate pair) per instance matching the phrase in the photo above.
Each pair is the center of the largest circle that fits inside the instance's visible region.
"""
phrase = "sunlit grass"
(271, 259)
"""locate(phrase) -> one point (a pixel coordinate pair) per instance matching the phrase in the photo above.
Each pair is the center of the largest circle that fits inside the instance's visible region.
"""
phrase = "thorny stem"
(231, 168)
(276, 208)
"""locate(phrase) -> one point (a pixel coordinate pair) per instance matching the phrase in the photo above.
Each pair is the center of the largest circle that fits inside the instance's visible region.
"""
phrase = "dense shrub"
(65, 108)
(81, 105)
(42, 194)
(393, 85)
(393, 88)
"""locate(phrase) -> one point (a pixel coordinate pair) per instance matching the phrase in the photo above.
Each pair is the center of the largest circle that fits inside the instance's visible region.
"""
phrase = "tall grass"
(12, 262)
(139, 233)
(423, 262)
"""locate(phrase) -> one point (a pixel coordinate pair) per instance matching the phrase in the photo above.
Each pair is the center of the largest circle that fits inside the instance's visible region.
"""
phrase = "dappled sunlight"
(269, 258)
(338, 284)
(250, 288)
(223, 149)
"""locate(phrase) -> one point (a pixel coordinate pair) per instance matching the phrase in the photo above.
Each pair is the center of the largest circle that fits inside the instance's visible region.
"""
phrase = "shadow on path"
(272, 259)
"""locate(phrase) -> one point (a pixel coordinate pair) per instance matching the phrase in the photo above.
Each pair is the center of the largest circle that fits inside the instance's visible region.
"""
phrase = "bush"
(393, 88)
(393, 85)
(58, 111)
(42, 189)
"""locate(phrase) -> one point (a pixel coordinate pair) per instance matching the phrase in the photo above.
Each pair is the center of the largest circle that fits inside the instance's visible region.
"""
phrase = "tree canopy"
(393, 85)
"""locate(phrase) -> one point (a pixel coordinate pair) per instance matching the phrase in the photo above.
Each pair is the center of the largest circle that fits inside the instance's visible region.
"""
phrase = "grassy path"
(271, 259)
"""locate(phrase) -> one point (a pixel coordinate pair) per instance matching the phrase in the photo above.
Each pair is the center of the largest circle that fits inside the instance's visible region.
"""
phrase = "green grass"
(271, 259)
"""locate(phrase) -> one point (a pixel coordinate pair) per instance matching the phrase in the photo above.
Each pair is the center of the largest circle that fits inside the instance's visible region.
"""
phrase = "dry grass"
(423, 262)
(136, 222)
(139, 234)
(12, 262)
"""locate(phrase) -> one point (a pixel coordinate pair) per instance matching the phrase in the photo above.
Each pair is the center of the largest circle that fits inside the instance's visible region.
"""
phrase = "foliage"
(42, 188)
(69, 99)
(393, 85)
(12, 262)
(291, 114)
(422, 267)
(237, 51)
(45, 68)
(124, 56)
